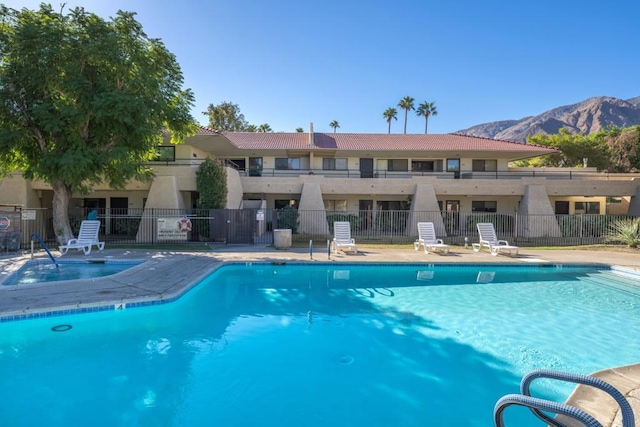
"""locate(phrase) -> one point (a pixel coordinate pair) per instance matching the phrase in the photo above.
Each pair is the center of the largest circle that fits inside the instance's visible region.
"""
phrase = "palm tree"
(334, 124)
(427, 109)
(299, 130)
(390, 114)
(264, 128)
(251, 128)
(406, 104)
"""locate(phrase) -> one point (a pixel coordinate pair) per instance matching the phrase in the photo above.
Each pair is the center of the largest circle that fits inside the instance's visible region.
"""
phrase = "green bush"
(583, 225)
(288, 218)
(625, 231)
(356, 222)
(392, 221)
(211, 182)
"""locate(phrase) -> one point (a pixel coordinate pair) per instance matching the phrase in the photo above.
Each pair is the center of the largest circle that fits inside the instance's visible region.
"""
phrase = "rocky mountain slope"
(587, 116)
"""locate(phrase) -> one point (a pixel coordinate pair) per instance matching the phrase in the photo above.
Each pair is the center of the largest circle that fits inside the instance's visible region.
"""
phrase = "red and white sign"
(4, 223)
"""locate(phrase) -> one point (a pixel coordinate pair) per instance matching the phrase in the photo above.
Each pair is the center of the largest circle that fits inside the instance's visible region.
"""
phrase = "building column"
(163, 194)
(235, 193)
(634, 203)
(424, 208)
(312, 215)
(535, 214)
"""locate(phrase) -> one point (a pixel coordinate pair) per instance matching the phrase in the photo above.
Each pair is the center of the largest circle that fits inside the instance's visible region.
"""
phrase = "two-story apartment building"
(359, 172)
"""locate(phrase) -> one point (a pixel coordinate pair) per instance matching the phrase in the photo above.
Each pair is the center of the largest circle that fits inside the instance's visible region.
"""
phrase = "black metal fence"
(255, 226)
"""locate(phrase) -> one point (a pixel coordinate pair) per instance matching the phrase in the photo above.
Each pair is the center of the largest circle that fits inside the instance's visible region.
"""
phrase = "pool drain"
(343, 360)
(61, 328)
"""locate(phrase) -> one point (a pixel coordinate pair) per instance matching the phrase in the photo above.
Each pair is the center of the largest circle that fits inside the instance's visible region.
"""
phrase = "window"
(255, 166)
(165, 154)
(279, 204)
(484, 165)
(285, 163)
(422, 166)
(453, 165)
(335, 205)
(334, 164)
(401, 165)
(484, 206)
(587, 208)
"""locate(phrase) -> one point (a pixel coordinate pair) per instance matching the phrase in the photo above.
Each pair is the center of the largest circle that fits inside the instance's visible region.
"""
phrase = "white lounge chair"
(342, 237)
(489, 239)
(87, 237)
(428, 240)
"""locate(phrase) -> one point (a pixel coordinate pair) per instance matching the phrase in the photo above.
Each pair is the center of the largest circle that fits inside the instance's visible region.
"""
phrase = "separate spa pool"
(317, 344)
(41, 271)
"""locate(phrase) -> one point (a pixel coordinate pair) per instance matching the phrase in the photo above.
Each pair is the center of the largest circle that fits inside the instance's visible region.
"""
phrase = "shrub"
(392, 221)
(625, 231)
(353, 219)
(288, 218)
(211, 182)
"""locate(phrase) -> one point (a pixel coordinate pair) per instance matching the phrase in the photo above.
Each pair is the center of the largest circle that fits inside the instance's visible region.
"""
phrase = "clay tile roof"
(268, 140)
(378, 142)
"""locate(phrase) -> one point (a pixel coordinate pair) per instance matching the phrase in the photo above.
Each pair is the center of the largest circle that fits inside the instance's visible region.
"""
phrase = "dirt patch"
(624, 249)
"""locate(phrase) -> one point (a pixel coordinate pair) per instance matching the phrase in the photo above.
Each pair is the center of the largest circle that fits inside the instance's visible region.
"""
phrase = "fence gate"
(233, 225)
(241, 224)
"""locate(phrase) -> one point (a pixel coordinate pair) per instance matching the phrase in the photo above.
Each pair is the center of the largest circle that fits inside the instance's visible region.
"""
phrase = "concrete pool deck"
(165, 275)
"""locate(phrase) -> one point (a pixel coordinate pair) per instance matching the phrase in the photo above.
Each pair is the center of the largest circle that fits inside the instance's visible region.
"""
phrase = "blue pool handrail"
(625, 407)
(538, 405)
(37, 236)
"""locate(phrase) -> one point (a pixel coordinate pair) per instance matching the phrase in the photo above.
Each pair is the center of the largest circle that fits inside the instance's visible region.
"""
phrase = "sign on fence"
(260, 215)
(28, 214)
(169, 229)
(4, 223)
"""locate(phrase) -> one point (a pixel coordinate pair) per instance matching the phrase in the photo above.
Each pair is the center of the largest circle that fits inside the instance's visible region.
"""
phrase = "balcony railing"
(548, 173)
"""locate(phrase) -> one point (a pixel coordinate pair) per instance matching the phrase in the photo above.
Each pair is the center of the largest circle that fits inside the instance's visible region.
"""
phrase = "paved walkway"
(167, 274)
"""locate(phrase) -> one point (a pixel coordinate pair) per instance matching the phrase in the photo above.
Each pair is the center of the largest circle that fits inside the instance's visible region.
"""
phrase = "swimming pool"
(42, 271)
(317, 345)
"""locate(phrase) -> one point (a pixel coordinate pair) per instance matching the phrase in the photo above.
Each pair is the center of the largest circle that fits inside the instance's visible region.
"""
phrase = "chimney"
(311, 137)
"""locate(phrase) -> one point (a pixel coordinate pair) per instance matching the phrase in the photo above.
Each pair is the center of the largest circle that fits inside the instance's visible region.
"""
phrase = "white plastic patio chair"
(342, 237)
(87, 237)
(428, 240)
(488, 239)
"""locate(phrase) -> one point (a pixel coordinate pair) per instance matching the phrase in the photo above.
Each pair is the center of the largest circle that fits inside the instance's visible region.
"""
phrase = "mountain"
(587, 116)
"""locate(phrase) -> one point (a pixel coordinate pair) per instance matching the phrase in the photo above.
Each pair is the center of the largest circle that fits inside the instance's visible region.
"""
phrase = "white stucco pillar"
(424, 208)
(535, 214)
(163, 194)
(312, 215)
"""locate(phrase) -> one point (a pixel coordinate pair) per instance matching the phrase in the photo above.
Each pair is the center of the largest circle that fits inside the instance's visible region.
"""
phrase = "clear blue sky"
(291, 62)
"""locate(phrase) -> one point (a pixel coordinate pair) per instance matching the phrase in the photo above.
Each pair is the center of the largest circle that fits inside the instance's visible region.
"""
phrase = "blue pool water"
(317, 345)
(41, 272)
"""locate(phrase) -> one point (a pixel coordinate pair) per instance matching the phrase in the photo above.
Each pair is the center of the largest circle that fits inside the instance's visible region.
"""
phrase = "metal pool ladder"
(537, 405)
(37, 236)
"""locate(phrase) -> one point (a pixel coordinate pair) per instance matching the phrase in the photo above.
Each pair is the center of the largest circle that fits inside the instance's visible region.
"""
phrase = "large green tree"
(574, 147)
(624, 148)
(226, 117)
(83, 99)
(406, 104)
(427, 109)
(335, 125)
(390, 114)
